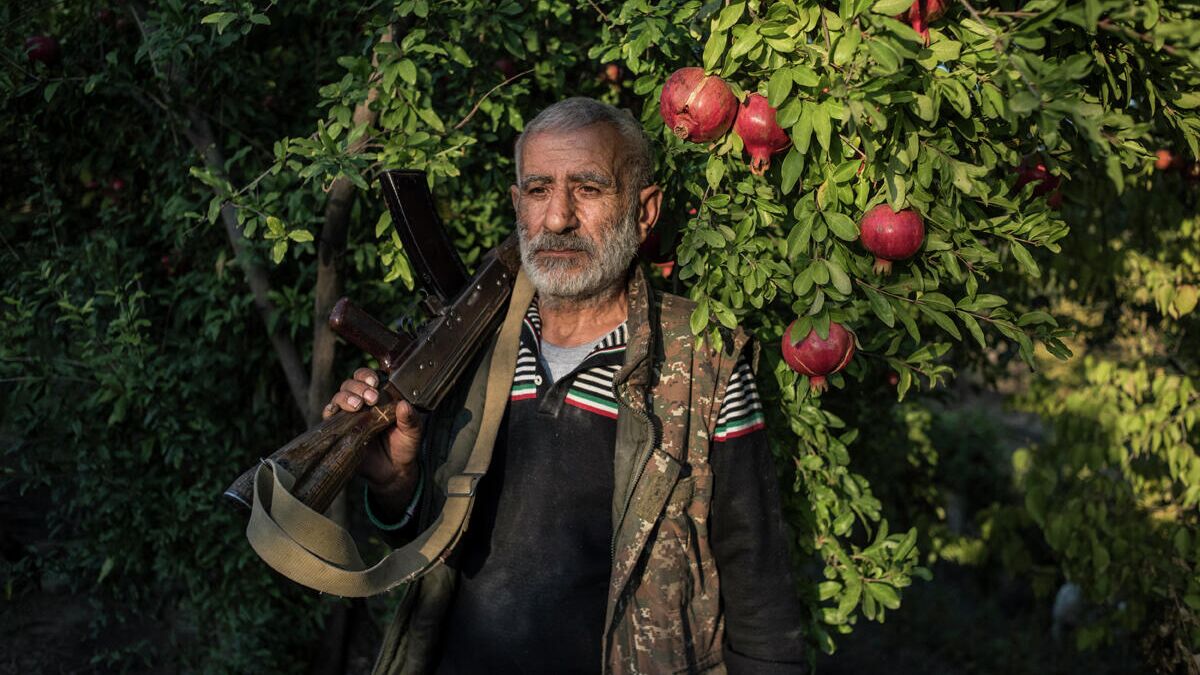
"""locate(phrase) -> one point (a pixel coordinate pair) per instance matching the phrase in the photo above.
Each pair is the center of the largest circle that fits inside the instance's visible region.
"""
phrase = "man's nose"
(560, 213)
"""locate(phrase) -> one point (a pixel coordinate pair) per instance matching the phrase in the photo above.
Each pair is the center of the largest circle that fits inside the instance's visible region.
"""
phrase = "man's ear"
(512, 191)
(649, 202)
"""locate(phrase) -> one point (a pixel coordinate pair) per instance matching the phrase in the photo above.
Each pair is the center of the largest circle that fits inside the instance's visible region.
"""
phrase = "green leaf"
(802, 130)
(793, 167)
(714, 49)
(746, 40)
(407, 70)
(1185, 299)
(279, 250)
(1036, 317)
(846, 46)
(300, 235)
(972, 327)
(428, 116)
(712, 238)
(821, 125)
(699, 318)
(715, 171)
(943, 321)
(880, 306)
(778, 88)
(850, 598)
(937, 301)
(1112, 167)
(897, 190)
(804, 76)
(730, 16)
(384, 222)
(841, 225)
(839, 278)
(1023, 102)
(884, 594)
(106, 568)
(1024, 259)
(884, 55)
(891, 7)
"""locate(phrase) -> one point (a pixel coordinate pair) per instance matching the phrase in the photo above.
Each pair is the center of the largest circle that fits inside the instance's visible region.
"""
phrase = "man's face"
(579, 225)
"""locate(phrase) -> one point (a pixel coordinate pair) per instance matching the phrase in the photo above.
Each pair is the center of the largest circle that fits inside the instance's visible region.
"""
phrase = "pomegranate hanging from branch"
(760, 133)
(890, 235)
(818, 358)
(697, 107)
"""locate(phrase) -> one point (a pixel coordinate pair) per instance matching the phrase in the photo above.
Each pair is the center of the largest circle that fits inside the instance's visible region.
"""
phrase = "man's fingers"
(353, 392)
(370, 377)
(359, 389)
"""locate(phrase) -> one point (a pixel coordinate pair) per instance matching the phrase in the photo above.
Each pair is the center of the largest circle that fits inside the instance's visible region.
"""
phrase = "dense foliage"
(985, 126)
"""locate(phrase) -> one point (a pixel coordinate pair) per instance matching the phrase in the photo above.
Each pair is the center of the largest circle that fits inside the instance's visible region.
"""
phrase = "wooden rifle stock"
(422, 371)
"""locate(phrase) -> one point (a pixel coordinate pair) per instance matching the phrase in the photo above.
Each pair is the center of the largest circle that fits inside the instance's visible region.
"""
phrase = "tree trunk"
(330, 247)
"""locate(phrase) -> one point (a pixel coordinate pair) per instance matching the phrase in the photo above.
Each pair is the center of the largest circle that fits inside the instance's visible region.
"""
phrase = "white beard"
(603, 270)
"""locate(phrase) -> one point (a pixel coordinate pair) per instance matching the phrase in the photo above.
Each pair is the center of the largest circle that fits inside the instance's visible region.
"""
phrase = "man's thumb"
(406, 416)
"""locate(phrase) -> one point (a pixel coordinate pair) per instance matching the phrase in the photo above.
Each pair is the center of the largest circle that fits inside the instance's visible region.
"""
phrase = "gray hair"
(579, 112)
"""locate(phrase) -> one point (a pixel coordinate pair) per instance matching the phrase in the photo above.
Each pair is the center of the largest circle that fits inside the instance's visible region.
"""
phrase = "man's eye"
(589, 189)
(536, 190)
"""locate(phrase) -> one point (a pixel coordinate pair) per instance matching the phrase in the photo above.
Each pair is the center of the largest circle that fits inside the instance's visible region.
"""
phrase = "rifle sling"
(314, 551)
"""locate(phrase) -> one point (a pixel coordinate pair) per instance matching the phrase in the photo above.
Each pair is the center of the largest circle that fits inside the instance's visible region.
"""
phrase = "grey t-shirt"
(559, 361)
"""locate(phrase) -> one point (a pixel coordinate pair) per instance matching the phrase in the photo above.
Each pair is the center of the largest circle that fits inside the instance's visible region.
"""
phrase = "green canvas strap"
(312, 550)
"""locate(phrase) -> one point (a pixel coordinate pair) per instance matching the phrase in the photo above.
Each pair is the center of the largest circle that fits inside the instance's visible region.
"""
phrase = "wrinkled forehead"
(595, 150)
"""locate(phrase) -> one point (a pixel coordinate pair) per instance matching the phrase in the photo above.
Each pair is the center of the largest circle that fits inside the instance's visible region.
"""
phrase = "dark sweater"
(535, 562)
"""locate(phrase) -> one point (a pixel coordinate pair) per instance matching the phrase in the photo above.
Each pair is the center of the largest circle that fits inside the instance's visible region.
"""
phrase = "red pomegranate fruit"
(760, 133)
(890, 235)
(506, 66)
(1165, 160)
(922, 13)
(1030, 172)
(697, 107)
(42, 48)
(819, 358)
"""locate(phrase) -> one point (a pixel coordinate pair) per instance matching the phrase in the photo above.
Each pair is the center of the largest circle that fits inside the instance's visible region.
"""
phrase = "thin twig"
(1108, 25)
(854, 147)
(1015, 15)
(598, 11)
(491, 91)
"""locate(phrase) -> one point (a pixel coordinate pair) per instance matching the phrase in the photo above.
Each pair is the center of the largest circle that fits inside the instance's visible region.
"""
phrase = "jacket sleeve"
(764, 620)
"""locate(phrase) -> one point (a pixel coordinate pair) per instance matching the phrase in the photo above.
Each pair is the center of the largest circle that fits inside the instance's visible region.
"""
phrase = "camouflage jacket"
(664, 609)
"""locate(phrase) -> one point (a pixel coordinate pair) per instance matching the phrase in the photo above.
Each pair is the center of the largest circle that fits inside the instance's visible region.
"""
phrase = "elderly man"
(630, 520)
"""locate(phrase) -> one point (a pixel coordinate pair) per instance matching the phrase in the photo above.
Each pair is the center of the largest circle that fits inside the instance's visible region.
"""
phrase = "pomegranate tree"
(697, 107)
(760, 133)
(890, 235)
(818, 358)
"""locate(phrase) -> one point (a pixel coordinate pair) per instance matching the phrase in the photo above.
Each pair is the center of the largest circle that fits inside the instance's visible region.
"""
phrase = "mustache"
(569, 241)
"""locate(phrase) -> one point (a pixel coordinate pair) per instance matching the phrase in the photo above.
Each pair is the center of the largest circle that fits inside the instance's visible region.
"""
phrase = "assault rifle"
(421, 367)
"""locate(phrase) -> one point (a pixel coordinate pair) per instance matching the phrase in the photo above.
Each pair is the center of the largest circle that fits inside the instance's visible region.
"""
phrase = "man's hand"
(390, 464)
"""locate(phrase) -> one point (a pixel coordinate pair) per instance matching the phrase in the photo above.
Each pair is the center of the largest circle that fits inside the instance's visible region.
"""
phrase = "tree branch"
(200, 134)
